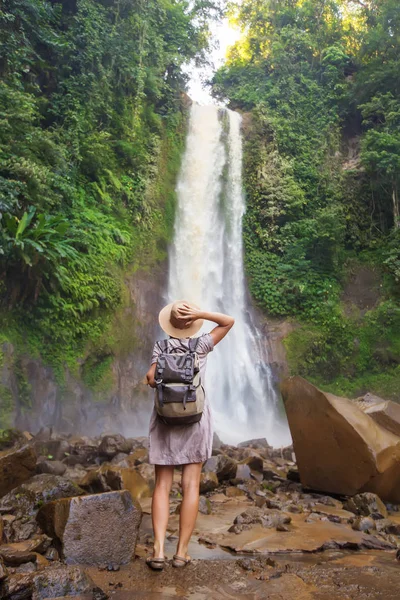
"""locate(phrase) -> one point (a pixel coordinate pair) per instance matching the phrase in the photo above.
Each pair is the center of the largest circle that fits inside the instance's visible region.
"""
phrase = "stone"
(208, 482)
(255, 463)
(111, 445)
(56, 449)
(51, 583)
(387, 526)
(234, 492)
(204, 506)
(366, 504)
(16, 466)
(12, 557)
(339, 448)
(3, 570)
(256, 444)
(62, 581)
(38, 544)
(52, 467)
(111, 477)
(363, 524)
(386, 414)
(223, 466)
(243, 473)
(27, 498)
(10, 438)
(95, 529)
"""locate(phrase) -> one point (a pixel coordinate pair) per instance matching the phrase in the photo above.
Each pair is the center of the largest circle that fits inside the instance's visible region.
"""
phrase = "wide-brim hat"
(166, 325)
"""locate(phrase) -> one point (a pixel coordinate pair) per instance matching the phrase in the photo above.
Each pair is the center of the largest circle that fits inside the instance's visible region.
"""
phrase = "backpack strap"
(163, 345)
(193, 344)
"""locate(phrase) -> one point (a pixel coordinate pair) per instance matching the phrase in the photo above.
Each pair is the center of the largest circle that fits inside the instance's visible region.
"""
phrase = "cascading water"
(206, 267)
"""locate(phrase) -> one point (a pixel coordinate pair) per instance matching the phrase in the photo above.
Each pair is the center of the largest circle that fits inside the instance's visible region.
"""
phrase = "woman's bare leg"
(160, 506)
(189, 507)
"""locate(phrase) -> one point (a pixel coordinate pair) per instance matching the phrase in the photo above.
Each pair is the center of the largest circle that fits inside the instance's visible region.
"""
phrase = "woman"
(186, 445)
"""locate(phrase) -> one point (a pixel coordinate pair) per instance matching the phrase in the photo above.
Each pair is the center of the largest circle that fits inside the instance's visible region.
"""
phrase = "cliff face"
(124, 403)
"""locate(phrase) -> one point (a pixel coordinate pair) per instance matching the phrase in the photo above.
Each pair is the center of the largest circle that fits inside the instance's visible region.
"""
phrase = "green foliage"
(322, 147)
(91, 134)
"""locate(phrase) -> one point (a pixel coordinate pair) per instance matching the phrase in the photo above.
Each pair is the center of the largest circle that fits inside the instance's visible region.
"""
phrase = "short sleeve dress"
(183, 444)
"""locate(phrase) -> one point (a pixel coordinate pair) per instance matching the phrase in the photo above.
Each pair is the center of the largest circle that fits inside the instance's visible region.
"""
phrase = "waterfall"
(206, 267)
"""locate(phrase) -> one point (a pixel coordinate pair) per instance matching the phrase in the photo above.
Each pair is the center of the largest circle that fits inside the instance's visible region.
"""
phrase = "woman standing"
(186, 445)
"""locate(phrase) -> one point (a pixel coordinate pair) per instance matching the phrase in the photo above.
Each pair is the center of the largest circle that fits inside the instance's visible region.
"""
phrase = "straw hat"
(170, 312)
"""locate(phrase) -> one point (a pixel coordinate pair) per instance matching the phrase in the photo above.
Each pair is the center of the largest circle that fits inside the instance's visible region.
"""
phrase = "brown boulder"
(223, 466)
(16, 466)
(111, 445)
(208, 482)
(340, 449)
(109, 477)
(93, 530)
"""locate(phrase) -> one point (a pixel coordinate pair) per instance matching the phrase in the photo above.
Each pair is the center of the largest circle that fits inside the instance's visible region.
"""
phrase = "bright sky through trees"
(224, 36)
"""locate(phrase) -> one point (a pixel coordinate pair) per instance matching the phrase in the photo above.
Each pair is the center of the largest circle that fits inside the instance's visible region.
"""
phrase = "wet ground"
(220, 574)
(330, 576)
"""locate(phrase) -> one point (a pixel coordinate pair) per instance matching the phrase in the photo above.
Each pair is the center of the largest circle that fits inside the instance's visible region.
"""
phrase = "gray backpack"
(179, 395)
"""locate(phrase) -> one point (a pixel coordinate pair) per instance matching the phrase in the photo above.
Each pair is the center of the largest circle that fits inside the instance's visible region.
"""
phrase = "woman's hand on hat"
(188, 313)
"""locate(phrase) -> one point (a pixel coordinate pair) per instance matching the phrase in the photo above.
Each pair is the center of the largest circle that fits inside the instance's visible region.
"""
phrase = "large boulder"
(111, 445)
(109, 477)
(16, 466)
(222, 465)
(340, 449)
(93, 530)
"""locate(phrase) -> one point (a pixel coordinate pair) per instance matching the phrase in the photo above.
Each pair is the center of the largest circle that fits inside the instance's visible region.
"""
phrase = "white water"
(206, 267)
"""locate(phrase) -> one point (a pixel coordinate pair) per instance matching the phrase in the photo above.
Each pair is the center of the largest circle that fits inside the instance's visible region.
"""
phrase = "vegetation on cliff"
(92, 127)
(322, 172)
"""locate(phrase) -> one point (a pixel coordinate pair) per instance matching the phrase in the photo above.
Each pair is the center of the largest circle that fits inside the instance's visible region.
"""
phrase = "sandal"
(179, 561)
(157, 564)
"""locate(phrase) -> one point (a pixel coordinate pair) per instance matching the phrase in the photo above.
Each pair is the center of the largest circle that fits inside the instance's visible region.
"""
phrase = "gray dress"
(183, 444)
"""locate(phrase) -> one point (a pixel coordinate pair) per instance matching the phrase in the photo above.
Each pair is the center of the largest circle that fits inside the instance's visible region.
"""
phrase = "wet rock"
(283, 528)
(363, 524)
(339, 448)
(52, 467)
(208, 482)
(366, 504)
(111, 445)
(223, 466)
(204, 506)
(16, 466)
(286, 453)
(93, 529)
(109, 477)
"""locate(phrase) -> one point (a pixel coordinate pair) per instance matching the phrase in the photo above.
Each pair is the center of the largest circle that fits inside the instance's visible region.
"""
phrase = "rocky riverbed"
(75, 522)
